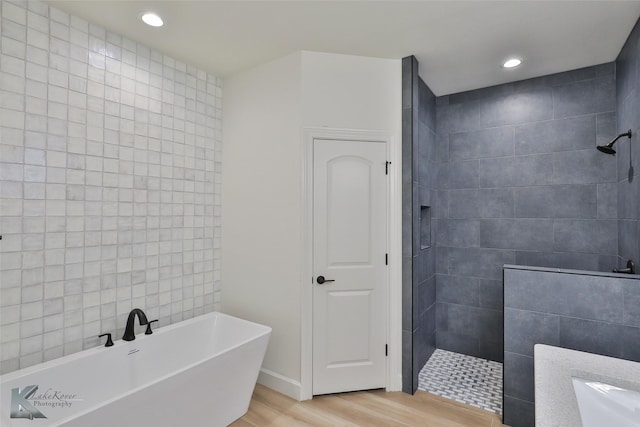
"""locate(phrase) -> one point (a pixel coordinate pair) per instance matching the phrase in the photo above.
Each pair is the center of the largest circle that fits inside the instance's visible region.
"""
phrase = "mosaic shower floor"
(471, 380)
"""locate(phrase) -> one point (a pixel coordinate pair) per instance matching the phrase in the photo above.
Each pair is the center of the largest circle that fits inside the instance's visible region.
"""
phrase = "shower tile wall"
(419, 185)
(520, 182)
(628, 153)
(109, 184)
(579, 310)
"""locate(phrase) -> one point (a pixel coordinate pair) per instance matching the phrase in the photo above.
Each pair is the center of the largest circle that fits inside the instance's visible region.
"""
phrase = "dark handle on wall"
(631, 268)
(109, 342)
(322, 280)
(149, 331)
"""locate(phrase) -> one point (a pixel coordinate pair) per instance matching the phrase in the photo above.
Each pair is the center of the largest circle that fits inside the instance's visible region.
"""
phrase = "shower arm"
(627, 134)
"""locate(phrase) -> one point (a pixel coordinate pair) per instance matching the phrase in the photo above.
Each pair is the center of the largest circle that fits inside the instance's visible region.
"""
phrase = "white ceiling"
(459, 44)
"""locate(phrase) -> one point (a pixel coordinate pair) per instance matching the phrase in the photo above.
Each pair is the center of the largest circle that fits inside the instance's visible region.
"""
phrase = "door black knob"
(322, 280)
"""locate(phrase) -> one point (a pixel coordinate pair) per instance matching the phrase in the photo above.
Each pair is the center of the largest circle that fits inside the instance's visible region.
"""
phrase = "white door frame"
(394, 239)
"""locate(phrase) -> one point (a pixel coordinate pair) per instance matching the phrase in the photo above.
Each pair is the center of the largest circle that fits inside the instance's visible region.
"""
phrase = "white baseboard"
(279, 383)
(396, 383)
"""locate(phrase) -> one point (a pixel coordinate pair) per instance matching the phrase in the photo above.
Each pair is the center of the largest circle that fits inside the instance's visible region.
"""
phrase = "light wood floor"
(367, 408)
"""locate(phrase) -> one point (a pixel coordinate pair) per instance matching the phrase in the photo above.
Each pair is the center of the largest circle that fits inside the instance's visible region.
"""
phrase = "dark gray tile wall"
(409, 99)
(593, 312)
(520, 182)
(511, 176)
(628, 151)
(419, 186)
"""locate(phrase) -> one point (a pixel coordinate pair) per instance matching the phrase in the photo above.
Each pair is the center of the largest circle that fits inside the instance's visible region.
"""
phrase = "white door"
(349, 252)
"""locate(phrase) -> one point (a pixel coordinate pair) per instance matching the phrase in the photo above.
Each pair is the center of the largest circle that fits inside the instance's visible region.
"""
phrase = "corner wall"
(261, 206)
(110, 183)
(419, 183)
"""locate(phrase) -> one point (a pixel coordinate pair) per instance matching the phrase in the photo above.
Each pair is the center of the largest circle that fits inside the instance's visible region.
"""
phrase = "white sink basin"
(606, 405)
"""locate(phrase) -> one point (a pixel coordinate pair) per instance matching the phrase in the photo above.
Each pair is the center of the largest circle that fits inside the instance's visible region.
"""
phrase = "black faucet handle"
(149, 331)
(631, 268)
(109, 342)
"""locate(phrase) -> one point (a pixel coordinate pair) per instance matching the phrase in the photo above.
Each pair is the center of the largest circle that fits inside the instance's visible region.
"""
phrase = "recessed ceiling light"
(152, 19)
(512, 62)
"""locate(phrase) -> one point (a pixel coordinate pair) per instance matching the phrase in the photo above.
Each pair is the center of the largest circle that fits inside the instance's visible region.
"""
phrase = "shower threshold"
(466, 379)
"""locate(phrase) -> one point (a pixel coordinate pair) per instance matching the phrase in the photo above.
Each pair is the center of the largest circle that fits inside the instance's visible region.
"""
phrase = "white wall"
(266, 111)
(351, 92)
(261, 206)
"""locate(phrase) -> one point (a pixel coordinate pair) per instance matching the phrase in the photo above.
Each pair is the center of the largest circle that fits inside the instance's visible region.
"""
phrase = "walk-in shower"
(608, 149)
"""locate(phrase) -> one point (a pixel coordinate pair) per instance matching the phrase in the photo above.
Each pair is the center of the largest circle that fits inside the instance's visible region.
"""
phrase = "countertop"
(556, 404)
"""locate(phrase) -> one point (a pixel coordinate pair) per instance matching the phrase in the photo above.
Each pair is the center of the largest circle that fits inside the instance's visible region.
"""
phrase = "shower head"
(608, 149)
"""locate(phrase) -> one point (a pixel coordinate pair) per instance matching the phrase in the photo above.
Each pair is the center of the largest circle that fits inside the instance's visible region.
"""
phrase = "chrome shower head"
(608, 149)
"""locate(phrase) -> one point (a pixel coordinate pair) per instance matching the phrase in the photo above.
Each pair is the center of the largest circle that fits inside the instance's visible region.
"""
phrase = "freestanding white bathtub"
(199, 372)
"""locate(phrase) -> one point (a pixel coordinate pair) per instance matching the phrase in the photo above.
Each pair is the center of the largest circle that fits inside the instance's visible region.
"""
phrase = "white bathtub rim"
(68, 359)
(140, 337)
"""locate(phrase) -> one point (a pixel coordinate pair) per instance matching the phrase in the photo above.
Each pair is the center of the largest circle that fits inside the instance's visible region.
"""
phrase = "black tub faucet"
(129, 335)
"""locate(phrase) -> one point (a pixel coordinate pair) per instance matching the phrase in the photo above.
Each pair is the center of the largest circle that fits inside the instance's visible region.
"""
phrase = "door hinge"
(386, 259)
(386, 167)
(386, 349)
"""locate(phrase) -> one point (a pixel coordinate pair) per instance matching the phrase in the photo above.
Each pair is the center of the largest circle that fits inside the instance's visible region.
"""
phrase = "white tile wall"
(109, 184)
